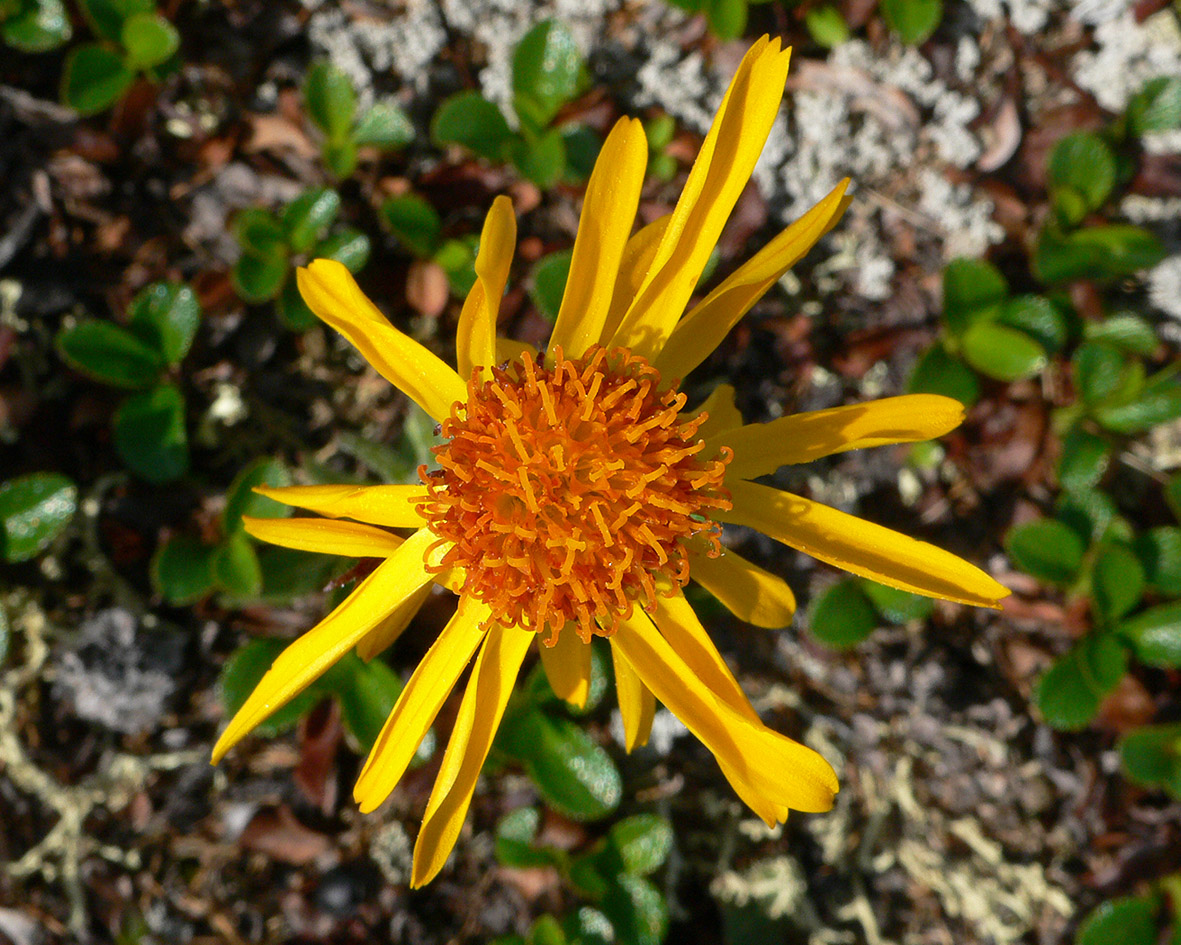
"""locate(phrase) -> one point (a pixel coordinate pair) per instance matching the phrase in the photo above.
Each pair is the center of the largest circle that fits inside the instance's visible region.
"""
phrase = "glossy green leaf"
(826, 25)
(293, 312)
(340, 157)
(1151, 757)
(182, 570)
(106, 17)
(241, 499)
(458, 258)
(581, 146)
(109, 353)
(1117, 582)
(149, 40)
(414, 222)
(244, 670)
(546, 930)
(308, 216)
(259, 233)
(1047, 549)
(726, 18)
(1089, 513)
(895, 605)
(1159, 551)
(1130, 920)
(549, 283)
(842, 616)
(1096, 252)
(348, 246)
(1069, 692)
(1083, 461)
(515, 835)
(385, 126)
(1155, 635)
(37, 26)
(1124, 331)
(547, 73)
(34, 509)
(330, 99)
(150, 434)
(1036, 316)
(1098, 369)
(1156, 107)
(259, 278)
(1081, 173)
(1000, 352)
(470, 120)
(94, 78)
(642, 843)
(913, 20)
(937, 372)
(588, 926)
(636, 910)
(166, 316)
(542, 159)
(1158, 403)
(236, 568)
(971, 287)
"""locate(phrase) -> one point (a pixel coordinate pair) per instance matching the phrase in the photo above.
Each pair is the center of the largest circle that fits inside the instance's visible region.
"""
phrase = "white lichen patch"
(1126, 55)
(1164, 287)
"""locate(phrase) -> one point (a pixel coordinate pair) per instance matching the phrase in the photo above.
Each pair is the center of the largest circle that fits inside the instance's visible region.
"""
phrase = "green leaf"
(827, 26)
(1002, 353)
(38, 26)
(582, 146)
(348, 246)
(259, 278)
(94, 78)
(259, 233)
(587, 926)
(150, 434)
(971, 287)
(1124, 330)
(287, 573)
(1157, 107)
(727, 18)
(913, 20)
(659, 131)
(1159, 551)
(937, 372)
(110, 354)
(1155, 635)
(293, 312)
(33, 511)
(1084, 460)
(549, 283)
(458, 259)
(1089, 513)
(1098, 369)
(1047, 549)
(515, 834)
(414, 222)
(572, 773)
(1081, 173)
(541, 159)
(1130, 920)
(1158, 403)
(1036, 316)
(244, 670)
(166, 315)
(470, 120)
(546, 931)
(636, 911)
(385, 126)
(842, 616)
(182, 570)
(1151, 757)
(340, 157)
(236, 568)
(106, 17)
(367, 692)
(149, 40)
(1069, 692)
(242, 500)
(547, 73)
(642, 843)
(331, 100)
(1117, 582)
(1096, 252)
(895, 605)
(308, 216)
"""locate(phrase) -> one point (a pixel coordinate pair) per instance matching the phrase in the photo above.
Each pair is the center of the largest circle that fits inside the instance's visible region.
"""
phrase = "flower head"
(575, 496)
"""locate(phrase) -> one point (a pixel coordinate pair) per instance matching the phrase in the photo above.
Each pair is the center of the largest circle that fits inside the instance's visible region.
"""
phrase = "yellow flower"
(573, 487)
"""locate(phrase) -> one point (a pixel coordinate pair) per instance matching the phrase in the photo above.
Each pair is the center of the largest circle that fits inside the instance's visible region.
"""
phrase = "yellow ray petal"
(747, 591)
(860, 546)
(509, 350)
(568, 667)
(719, 174)
(608, 211)
(390, 506)
(723, 414)
(307, 658)
(777, 769)
(708, 322)
(637, 705)
(761, 448)
(385, 633)
(476, 334)
(769, 812)
(333, 294)
(419, 703)
(633, 270)
(324, 535)
(479, 716)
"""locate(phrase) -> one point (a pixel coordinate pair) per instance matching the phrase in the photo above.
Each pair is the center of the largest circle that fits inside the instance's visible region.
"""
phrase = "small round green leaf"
(1117, 582)
(547, 73)
(458, 259)
(385, 126)
(149, 40)
(1130, 920)
(259, 278)
(1089, 513)
(308, 216)
(913, 20)
(347, 246)
(1125, 331)
(259, 233)
(1155, 635)
(241, 499)
(38, 26)
(636, 910)
(1002, 353)
(235, 567)
(331, 100)
(165, 315)
(546, 931)
(1158, 403)
(937, 372)
(414, 222)
(33, 511)
(1047, 549)
(1151, 757)
(470, 120)
(1084, 459)
(1081, 164)
(1098, 369)
(970, 287)
(842, 616)
(541, 159)
(182, 570)
(109, 353)
(1069, 692)
(1038, 317)
(1159, 551)
(587, 926)
(514, 840)
(293, 311)
(549, 283)
(1157, 107)
(642, 843)
(726, 18)
(150, 434)
(827, 26)
(94, 78)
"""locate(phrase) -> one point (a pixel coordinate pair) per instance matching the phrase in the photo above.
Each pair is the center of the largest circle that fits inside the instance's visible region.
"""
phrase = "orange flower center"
(567, 493)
